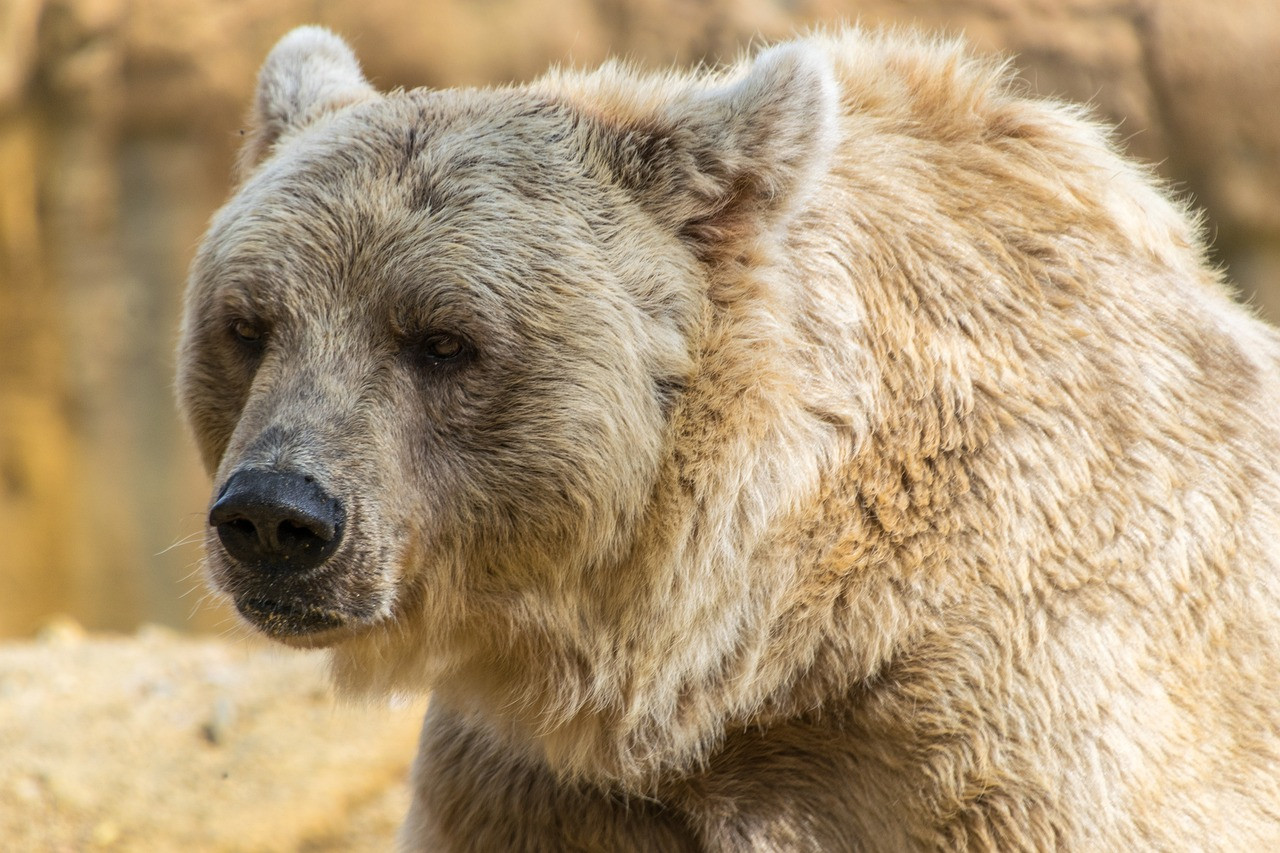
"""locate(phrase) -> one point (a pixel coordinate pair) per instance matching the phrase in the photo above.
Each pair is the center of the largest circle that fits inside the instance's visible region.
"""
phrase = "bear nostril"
(277, 520)
(295, 538)
(239, 537)
(242, 527)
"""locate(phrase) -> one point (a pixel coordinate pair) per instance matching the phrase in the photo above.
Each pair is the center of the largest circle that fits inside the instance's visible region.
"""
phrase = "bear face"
(365, 333)
(483, 294)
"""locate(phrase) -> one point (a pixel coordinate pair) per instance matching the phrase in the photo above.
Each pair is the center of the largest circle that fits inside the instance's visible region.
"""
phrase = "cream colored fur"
(855, 454)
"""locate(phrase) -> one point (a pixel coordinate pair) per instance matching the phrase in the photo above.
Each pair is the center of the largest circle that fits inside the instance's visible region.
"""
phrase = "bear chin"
(298, 623)
(301, 625)
(290, 622)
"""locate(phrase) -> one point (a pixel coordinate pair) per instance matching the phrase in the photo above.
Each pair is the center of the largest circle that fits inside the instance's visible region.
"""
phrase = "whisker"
(189, 539)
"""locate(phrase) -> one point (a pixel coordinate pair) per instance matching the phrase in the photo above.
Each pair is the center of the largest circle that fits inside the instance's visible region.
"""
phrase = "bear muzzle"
(278, 528)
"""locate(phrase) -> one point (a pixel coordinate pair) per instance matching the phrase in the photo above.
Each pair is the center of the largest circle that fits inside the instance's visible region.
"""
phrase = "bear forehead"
(428, 141)
(490, 165)
(409, 194)
(498, 158)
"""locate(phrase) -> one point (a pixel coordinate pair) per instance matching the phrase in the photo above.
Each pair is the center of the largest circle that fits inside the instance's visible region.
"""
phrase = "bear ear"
(310, 72)
(738, 153)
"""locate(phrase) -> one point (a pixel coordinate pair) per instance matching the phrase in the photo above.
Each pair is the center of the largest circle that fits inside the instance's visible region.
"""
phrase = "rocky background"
(118, 127)
(161, 742)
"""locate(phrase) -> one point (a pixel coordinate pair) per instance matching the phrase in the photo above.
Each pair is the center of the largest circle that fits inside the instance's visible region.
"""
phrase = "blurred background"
(119, 123)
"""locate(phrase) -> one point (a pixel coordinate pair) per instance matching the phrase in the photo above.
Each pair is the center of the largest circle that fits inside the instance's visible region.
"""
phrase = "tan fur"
(854, 454)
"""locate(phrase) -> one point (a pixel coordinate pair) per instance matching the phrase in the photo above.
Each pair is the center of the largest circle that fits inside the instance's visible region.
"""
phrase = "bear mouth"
(282, 620)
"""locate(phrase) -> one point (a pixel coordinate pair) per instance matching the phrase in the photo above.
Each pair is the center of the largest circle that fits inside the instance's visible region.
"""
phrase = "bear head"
(433, 345)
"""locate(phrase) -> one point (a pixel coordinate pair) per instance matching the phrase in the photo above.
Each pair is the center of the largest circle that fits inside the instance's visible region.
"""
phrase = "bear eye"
(247, 332)
(442, 346)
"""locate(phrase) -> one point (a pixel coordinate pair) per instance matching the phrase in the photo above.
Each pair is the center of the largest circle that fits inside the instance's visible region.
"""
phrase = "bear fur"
(837, 451)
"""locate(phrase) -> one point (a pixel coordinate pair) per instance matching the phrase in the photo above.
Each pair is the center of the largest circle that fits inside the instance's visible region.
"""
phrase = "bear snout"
(279, 521)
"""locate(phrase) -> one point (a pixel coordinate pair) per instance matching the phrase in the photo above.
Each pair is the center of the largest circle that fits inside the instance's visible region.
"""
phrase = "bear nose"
(277, 519)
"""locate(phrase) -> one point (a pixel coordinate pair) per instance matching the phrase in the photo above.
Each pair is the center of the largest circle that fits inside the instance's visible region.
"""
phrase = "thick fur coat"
(839, 451)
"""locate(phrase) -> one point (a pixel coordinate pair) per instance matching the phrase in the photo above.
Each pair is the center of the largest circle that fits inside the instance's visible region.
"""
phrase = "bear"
(842, 449)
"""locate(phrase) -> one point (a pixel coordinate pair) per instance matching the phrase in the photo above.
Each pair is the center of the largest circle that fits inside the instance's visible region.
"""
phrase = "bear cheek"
(212, 408)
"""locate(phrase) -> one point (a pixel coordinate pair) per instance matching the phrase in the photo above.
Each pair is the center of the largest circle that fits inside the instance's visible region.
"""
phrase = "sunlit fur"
(858, 454)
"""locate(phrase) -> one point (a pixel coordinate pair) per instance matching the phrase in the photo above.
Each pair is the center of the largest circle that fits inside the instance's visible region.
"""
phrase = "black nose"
(277, 520)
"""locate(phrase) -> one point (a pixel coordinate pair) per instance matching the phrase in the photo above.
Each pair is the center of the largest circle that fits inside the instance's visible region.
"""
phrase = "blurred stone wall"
(118, 127)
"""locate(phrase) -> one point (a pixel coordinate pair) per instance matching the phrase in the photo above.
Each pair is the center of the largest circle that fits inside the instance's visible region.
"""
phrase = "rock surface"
(159, 742)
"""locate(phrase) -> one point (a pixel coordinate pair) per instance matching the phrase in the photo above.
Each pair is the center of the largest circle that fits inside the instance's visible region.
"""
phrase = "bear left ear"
(310, 72)
(735, 154)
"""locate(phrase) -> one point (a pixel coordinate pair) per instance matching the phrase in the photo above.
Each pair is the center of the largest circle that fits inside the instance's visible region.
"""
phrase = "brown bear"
(841, 450)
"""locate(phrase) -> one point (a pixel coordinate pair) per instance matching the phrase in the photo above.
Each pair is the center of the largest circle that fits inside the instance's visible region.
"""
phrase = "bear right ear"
(310, 72)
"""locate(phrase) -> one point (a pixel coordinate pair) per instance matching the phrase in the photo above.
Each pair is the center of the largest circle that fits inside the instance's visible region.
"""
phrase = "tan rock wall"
(118, 127)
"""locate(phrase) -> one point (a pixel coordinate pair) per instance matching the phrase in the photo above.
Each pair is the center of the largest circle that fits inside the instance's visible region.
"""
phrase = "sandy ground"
(161, 742)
